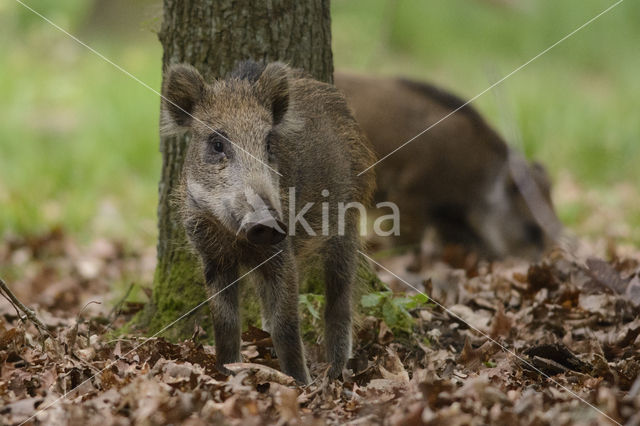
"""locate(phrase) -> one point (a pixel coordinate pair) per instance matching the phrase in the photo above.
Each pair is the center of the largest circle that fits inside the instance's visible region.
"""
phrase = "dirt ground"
(555, 342)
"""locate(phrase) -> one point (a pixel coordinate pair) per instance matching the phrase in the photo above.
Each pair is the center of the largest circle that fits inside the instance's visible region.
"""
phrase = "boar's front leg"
(225, 312)
(278, 290)
(340, 270)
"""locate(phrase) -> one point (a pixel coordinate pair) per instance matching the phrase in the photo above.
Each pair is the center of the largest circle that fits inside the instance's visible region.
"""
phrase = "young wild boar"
(458, 177)
(263, 141)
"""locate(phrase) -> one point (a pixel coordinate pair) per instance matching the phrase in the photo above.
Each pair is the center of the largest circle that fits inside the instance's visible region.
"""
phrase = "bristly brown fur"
(456, 177)
(270, 115)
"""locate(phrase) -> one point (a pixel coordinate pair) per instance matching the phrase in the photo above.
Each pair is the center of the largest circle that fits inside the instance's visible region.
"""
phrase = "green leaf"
(309, 301)
(390, 315)
(372, 300)
(392, 308)
(417, 300)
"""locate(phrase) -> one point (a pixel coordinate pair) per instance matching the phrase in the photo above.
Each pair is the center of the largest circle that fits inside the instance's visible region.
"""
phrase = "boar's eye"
(217, 140)
(216, 146)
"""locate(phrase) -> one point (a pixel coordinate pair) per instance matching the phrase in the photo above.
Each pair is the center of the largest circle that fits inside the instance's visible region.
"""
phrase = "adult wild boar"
(263, 141)
(459, 177)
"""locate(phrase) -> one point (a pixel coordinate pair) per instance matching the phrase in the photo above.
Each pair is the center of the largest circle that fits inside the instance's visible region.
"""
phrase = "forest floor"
(555, 342)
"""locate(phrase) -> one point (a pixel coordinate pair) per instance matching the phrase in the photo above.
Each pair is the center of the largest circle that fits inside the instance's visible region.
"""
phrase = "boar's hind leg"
(279, 295)
(340, 270)
(225, 313)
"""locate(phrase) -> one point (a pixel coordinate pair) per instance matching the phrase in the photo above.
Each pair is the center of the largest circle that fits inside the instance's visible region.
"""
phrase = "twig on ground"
(31, 315)
(72, 334)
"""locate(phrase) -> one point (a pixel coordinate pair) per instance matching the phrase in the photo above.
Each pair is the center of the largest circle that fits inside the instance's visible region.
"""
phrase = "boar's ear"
(272, 88)
(541, 176)
(183, 89)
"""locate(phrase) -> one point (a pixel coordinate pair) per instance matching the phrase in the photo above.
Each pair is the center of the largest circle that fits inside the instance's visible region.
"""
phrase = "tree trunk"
(213, 35)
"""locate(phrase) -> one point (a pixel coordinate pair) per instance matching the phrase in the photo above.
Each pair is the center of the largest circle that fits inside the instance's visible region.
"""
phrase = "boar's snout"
(267, 231)
(263, 226)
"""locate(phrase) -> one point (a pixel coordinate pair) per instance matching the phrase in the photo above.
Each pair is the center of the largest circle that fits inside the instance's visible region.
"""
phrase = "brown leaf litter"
(570, 329)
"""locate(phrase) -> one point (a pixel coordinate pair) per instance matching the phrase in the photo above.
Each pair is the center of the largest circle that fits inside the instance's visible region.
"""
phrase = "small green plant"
(311, 306)
(393, 309)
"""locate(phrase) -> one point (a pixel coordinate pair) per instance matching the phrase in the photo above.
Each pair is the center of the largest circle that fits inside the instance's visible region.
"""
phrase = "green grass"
(79, 140)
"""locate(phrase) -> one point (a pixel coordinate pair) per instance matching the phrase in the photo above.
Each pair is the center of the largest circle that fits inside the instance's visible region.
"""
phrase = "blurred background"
(79, 139)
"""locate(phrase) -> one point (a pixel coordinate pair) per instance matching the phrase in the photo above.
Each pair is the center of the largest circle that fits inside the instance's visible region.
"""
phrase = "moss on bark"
(177, 291)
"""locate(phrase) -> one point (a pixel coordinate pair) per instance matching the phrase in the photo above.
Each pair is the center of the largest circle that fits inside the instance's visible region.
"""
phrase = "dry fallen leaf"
(578, 324)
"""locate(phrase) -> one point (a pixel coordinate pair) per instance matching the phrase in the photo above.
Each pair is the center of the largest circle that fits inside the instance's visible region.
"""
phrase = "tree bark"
(213, 35)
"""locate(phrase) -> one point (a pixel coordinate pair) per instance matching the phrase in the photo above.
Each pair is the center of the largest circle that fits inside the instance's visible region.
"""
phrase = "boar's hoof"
(266, 232)
(335, 373)
(224, 370)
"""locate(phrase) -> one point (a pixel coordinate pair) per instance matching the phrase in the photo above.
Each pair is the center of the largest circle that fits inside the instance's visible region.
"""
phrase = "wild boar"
(458, 177)
(264, 140)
